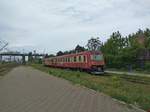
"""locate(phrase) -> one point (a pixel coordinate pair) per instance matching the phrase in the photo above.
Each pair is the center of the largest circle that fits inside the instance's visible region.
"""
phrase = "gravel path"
(25, 89)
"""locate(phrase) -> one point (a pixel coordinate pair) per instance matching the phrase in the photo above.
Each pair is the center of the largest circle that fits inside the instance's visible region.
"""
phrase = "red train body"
(89, 60)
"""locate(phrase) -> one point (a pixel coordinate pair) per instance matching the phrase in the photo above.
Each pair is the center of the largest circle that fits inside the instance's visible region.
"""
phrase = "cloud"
(60, 25)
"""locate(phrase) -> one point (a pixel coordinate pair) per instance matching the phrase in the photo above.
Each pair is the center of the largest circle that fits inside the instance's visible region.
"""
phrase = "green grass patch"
(117, 86)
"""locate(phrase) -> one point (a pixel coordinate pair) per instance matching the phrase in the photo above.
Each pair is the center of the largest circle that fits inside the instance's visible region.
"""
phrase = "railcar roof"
(73, 54)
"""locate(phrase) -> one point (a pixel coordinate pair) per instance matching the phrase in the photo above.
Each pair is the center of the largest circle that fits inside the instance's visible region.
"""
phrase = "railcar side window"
(84, 58)
(65, 59)
(75, 59)
(79, 58)
(68, 59)
(71, 59)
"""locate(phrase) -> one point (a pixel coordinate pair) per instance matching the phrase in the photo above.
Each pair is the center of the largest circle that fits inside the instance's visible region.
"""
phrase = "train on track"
(90, 61)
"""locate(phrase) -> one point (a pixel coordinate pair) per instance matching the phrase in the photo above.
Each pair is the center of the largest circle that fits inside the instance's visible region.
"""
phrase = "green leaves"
(94, 44)
(120, 51)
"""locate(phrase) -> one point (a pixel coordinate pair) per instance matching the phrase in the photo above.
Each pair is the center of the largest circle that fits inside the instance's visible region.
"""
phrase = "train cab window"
(75, 59)
(97, 57)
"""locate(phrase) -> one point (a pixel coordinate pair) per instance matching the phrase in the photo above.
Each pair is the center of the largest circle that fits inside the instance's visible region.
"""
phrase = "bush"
(116, 81)
(147, 66)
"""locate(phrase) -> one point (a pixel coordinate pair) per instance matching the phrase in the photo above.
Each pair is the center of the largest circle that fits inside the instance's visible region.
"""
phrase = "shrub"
(147, 66)
(116, 81)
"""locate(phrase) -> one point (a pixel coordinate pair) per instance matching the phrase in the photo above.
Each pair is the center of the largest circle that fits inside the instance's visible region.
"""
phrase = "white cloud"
(62, 24)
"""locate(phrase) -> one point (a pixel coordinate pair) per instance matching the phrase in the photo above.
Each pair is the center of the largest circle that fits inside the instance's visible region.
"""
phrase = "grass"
(131, 90)
(6, 67)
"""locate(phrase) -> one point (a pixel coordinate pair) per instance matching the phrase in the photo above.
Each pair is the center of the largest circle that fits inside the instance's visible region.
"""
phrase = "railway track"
(132, 77)
(136, 79)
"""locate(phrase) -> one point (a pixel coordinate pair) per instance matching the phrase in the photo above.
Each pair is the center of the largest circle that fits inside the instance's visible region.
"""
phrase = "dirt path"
(28, 90)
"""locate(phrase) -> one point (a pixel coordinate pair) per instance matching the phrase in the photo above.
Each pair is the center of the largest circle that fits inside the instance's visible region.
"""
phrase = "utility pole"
(3, 45)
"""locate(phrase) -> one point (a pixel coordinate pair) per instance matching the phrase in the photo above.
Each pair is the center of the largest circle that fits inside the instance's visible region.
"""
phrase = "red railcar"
(92, 61)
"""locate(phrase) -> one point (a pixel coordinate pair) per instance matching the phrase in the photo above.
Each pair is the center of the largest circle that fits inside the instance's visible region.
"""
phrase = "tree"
(147, 38)
(115, 44)
(46, 56)
(94, 44)
(122, 51)
(51, 55)
(59, 53)
(79, 48)
(30, 57)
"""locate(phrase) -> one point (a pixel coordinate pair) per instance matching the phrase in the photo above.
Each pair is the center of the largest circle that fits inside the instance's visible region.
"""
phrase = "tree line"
(120, 51)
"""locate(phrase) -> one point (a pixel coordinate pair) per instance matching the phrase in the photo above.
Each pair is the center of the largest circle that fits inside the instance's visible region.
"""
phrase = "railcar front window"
(97, 57)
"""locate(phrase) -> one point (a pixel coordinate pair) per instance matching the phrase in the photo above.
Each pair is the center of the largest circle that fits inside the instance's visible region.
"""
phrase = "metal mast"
(3, 45)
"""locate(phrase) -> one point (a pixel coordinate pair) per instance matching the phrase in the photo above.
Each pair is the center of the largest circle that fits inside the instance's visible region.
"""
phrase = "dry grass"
(6, 67)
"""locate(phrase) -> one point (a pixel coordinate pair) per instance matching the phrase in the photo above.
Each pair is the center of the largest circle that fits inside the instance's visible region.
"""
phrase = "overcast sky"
(53, 25)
